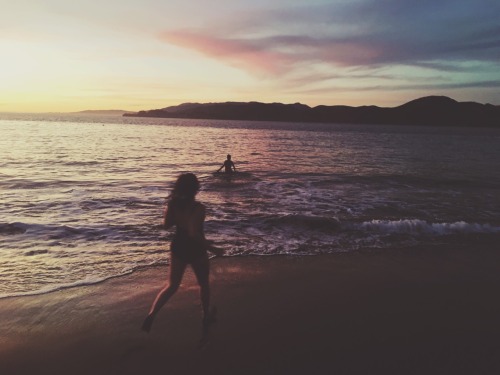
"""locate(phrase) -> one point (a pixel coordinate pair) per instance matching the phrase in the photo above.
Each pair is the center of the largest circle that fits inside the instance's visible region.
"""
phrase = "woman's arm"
(197, 221)
(200, 219)
(168, 221)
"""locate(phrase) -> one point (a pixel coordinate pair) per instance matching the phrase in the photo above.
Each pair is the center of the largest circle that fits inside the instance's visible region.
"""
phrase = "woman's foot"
(148, 322)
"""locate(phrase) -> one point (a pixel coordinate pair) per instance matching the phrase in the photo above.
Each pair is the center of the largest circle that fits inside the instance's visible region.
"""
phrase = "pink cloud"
(278, 55)
(241, 53)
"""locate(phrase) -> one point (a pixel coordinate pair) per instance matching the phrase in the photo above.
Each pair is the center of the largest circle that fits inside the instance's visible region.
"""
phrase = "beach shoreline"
(416, 311)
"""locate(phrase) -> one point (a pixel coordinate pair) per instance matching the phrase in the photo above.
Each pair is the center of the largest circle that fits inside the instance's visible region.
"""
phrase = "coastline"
(429, 110)
(418, 311)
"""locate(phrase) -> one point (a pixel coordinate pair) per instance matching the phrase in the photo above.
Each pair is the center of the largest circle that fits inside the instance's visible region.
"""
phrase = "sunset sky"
(60, 55)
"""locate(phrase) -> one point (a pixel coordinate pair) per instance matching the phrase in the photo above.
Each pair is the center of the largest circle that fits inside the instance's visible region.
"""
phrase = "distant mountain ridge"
(430, 110)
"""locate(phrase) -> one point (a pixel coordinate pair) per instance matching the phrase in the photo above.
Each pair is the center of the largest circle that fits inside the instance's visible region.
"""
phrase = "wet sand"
(424, 311)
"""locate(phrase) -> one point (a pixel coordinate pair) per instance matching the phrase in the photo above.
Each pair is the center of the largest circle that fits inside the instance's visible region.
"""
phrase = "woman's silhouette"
(189, 246)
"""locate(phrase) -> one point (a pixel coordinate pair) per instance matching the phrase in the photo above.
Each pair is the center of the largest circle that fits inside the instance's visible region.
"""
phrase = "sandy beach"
(424, 311)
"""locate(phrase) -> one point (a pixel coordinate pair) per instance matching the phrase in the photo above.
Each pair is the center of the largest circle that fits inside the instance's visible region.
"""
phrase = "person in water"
(228, 165)
(188, 246)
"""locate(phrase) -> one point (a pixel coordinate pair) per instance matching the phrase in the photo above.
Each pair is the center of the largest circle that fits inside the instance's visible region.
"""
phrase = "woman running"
(188, 246)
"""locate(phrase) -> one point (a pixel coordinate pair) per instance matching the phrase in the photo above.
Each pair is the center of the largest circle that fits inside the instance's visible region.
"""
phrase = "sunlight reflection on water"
(82, 201)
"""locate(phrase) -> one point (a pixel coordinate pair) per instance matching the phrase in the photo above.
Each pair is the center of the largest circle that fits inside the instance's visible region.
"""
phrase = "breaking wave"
(415, 226)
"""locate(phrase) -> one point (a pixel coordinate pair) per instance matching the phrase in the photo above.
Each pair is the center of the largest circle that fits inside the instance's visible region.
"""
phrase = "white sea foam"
(90, 280)
(415, 226)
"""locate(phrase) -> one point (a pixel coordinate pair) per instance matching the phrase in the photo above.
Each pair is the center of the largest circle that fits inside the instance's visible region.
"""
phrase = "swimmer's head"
(228, 157)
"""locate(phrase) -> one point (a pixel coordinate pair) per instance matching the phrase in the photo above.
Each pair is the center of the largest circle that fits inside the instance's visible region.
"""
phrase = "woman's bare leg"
(201, 269)
(177, 268)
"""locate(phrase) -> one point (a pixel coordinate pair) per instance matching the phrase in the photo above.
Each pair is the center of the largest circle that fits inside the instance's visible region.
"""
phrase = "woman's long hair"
(185, 189)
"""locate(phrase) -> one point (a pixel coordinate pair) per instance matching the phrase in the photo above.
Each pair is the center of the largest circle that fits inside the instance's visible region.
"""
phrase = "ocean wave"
(18, 184)
(106, 203)
(91, 280)
(35, 252)
(43, 228)
(416, 226)
(54, 232)
(402, 181)
(307, 222)
(75, 163)
(87, 281)
(12, 228)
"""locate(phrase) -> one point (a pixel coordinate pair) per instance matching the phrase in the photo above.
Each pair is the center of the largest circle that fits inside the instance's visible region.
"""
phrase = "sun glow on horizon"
(63, 57)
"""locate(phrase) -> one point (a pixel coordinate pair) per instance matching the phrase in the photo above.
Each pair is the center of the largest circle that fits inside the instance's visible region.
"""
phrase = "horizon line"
(230, 101)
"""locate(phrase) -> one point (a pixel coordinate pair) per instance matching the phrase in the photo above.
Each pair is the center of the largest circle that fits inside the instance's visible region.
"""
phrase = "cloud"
(359, 33)
(251, 55)
(400, 87)
(448, 44)
(276, 55)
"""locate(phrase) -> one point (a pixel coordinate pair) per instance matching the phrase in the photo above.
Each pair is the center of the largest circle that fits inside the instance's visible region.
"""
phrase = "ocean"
(82, 196)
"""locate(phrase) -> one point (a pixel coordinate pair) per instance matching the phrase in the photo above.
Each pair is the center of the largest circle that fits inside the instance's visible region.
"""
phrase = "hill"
(431, 110)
